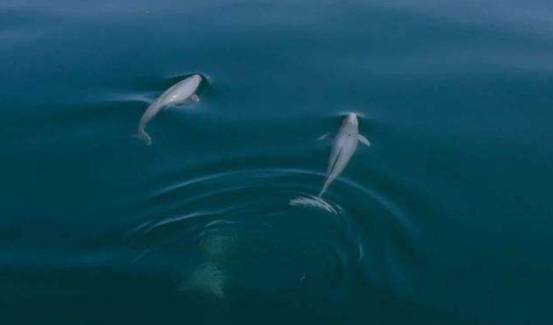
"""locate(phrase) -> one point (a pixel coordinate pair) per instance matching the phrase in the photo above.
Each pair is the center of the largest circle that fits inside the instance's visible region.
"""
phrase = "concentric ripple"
(219, 233)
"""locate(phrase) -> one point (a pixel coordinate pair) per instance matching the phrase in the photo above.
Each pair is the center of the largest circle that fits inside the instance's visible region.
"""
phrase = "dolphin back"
(342, 150)
(181, 91)
(176, 94)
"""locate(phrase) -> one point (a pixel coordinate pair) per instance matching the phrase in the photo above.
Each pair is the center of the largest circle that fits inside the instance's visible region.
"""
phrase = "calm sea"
(446, 219)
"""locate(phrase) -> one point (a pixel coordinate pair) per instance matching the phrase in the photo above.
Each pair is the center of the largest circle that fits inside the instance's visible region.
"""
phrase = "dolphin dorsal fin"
(364, 140)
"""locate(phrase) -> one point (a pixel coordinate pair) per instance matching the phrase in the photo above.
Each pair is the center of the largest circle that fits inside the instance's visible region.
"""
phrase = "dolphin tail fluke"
(141, 134)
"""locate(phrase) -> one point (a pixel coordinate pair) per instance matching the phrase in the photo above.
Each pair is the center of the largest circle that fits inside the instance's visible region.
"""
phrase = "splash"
(312, 201)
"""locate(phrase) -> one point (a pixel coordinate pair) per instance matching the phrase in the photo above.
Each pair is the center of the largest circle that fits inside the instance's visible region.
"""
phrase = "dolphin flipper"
(364, 140)
(195, 98)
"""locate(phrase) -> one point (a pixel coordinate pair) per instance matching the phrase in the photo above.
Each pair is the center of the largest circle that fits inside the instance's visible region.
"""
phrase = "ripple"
(149, 226)
(314, 202)
(222, 231)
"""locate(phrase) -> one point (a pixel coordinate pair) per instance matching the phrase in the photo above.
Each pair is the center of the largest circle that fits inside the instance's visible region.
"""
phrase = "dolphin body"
(177, 94)
(343, 148)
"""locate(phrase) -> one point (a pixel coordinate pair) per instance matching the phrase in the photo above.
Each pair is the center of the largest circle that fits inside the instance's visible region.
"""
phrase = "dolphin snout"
(352, 118)
(197, 78)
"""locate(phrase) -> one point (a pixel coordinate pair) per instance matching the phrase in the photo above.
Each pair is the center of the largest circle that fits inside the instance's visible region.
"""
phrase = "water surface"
(446, 219)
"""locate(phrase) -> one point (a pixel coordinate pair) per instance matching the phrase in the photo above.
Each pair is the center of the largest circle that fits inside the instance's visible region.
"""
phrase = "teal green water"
(446, 219)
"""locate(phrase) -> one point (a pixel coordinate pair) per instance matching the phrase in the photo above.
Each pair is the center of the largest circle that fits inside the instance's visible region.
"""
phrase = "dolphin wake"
(313, 201)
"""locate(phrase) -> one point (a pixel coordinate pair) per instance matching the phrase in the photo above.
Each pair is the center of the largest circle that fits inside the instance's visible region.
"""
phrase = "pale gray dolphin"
(343, 148)
(177, 94)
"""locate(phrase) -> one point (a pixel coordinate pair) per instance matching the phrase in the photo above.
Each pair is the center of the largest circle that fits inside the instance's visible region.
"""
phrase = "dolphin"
(177, 94)
(343, 148)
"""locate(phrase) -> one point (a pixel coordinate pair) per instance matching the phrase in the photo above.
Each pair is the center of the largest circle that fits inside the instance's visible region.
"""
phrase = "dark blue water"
(446, 219)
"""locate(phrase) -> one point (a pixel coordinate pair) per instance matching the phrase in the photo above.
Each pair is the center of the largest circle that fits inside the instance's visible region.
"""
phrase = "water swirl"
(220, 232)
